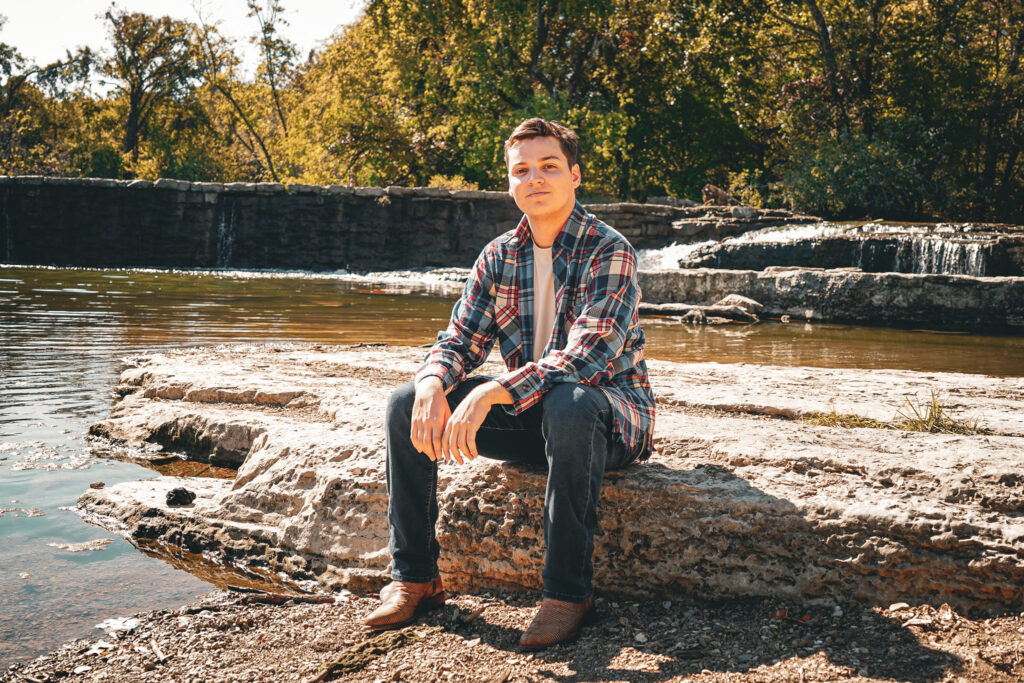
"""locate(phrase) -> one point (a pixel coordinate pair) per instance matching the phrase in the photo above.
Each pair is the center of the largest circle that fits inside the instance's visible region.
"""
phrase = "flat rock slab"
(943, 302)
(739, 500)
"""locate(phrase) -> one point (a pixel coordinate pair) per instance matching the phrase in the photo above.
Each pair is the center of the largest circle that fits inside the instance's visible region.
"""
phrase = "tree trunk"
(831, 65)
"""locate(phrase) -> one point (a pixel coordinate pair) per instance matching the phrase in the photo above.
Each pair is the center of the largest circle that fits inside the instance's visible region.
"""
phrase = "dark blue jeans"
(570, 430)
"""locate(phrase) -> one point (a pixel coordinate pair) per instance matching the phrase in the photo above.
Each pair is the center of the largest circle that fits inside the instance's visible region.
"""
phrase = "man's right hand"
(430, 413)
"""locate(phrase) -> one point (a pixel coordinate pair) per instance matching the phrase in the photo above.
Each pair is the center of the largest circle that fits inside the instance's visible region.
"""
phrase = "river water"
(64, 333)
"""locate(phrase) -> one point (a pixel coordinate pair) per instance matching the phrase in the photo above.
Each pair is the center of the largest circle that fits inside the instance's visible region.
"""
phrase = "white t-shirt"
(543, 300)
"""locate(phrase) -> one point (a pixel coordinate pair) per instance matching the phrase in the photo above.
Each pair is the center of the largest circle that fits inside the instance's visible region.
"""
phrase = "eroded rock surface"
(739, 500)
(943, 302)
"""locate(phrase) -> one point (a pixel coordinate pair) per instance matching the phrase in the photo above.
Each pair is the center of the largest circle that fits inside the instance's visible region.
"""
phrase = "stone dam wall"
(178, 224)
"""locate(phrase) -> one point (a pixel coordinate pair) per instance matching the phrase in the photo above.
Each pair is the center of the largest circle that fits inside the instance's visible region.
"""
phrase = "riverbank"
(762, 502)
(221, 638)
(744, 502)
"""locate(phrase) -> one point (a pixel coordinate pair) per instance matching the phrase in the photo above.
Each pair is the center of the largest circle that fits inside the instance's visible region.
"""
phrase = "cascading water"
(948, 257)
(226, 233)
(8, 233)
(668, 257)
(875, 247)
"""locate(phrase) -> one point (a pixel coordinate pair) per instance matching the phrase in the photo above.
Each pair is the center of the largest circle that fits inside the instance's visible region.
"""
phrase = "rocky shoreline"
(744, 503)
(817, 295)
(742, 499)
(229, 637)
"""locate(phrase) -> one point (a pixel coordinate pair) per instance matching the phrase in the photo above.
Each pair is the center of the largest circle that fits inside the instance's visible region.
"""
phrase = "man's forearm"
(495, 393)
(490, 391)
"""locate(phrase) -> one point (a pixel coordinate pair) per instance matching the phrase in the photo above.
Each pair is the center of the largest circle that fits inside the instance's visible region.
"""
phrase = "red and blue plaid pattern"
(597, 339)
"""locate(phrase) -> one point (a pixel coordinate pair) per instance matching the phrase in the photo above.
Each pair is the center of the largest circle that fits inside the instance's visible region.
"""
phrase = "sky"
(43, 30)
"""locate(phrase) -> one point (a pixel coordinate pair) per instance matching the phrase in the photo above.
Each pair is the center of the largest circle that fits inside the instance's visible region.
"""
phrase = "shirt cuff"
(526, 386)
(438, 370)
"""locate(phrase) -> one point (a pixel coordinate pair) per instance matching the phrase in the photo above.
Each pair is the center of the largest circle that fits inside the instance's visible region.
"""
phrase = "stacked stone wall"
(171, 223)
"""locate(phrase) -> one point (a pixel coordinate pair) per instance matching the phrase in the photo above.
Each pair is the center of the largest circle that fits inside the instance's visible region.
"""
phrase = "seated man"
(559, 293)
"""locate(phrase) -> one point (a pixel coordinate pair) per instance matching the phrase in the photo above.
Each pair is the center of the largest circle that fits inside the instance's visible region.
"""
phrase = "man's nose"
(534, 175)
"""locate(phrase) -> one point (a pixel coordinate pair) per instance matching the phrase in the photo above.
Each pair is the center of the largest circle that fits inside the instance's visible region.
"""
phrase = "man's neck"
(546, 228)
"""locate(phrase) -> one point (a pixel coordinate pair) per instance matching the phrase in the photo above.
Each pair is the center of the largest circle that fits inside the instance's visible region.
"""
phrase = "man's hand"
(459, 440)
(430, 414)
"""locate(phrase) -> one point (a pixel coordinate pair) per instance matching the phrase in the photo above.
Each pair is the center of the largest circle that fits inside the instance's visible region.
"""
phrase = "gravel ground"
(222, 637)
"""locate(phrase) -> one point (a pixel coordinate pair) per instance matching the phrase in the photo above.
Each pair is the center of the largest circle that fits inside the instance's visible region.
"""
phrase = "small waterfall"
(226, 233)
(872, 247)
(944, 256)
(975, 258)
(8, 233)
(668, 257)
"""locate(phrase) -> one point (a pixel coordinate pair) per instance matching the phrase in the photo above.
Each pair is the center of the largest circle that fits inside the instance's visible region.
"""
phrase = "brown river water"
(64, 333)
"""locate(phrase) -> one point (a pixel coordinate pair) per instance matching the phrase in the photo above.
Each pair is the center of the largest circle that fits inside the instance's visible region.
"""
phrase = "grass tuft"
(931, 417)
(934, 417)
(846, 420)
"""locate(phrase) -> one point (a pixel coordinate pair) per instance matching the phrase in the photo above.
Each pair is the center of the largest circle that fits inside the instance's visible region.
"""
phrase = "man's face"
(540, 179)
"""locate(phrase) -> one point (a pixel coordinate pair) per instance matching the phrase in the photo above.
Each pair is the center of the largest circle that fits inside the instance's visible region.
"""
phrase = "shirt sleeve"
(595, 339)
(464, 345)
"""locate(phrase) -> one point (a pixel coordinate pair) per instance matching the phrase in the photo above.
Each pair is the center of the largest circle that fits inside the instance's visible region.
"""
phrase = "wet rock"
(736, 502)
(179, 497)
(22, 512)
(95, 544)
(945, 302)
(746, 303)
(743, 212)
(702, 314)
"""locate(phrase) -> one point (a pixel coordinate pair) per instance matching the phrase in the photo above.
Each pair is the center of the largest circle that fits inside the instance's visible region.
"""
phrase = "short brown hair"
(541, 128)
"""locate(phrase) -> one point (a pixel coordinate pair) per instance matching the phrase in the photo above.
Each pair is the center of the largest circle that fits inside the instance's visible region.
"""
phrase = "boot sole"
(426, 605)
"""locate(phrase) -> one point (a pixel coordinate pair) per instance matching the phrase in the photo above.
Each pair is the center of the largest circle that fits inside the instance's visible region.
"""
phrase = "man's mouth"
(537, 193)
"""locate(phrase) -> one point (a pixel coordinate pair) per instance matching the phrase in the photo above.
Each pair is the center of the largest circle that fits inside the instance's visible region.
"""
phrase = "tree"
(154, 61)
(277, 54)
(219, 65)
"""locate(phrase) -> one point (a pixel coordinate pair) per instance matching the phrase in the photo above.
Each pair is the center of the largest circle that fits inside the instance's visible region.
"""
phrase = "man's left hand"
(459, 440)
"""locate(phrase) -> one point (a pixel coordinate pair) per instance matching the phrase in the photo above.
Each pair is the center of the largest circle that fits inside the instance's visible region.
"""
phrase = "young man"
(559, 294)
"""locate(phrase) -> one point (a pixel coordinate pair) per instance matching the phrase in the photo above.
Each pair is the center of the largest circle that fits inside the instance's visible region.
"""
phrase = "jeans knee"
(567, 405)
(400, 402)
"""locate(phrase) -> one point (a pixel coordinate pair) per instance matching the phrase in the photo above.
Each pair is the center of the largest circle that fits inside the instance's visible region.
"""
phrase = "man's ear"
(576, 177)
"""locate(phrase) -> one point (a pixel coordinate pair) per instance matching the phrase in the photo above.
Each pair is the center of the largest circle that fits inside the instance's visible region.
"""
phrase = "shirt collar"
(566, 238)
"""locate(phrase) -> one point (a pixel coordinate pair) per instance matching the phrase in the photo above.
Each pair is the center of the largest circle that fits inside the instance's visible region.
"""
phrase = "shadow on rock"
(718, 536)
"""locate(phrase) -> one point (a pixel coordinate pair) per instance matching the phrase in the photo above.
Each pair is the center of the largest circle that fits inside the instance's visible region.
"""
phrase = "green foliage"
(154, 63)
(853, 175)
(888, 109)
(455, 182)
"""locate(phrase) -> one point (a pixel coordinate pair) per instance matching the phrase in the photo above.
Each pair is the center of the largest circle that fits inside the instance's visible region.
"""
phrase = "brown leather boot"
(556, 622)
(403, 601)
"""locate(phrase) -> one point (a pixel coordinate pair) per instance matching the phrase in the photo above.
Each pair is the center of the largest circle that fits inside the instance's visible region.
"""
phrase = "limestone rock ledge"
(739, 500)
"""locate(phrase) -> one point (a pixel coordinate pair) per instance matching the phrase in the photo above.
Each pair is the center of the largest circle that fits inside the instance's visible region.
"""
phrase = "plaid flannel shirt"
(596, 341)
